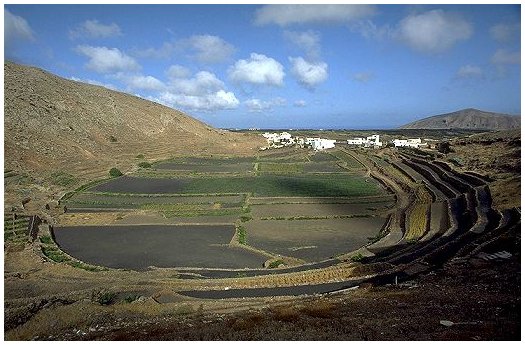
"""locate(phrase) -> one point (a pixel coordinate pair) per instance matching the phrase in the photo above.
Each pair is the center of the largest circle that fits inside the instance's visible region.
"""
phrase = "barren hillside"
(54, 125)
(467, 119)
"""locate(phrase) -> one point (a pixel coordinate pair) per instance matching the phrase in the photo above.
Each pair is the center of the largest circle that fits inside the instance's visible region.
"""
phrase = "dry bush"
(321, 309)
(285, 313)
(248, 321)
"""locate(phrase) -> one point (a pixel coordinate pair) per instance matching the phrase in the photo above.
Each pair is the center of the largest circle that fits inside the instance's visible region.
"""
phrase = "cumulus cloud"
(16, 30)
(140, 82)
(505, 57)
(107, 60)
(308, 41)
(208, 48)
(284, 15)
(94, 29)
(203, 82)
(256, 105)
(469, 72)
(434, 31)
(177, 72)
(202, 92)
(309, 74)
(363, 77)
(209, 102)
(504, 32)
(258, 69)
(299, 103)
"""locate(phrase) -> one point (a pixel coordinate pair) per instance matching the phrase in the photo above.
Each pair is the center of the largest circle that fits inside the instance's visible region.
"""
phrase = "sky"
(283, 66)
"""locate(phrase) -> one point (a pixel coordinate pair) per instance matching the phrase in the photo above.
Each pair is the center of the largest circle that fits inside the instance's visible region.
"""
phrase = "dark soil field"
(139, 246)
(318, 210)
(312, 240)
(206, 168)
(317, 185)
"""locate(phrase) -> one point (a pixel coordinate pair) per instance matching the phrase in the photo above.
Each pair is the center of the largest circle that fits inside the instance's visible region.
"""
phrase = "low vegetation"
(114, 172)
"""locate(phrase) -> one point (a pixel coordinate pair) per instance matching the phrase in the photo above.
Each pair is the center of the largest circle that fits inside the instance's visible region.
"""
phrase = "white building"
(277, 139)
(372, 140)
(416, 143)
(321, 144)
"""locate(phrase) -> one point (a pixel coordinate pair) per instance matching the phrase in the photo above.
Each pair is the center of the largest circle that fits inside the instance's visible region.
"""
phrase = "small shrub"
(245, 218)
(103, 297)
(131, 298)
(276, 263)
(241, 230)
(358, 257)
(145, 165)
(112, 139)
(140, 156)
(114, 172)
(46, 240)
(54, 254)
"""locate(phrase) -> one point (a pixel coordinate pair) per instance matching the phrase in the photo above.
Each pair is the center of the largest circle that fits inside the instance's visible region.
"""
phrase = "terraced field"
(333, 209)
(289, 217)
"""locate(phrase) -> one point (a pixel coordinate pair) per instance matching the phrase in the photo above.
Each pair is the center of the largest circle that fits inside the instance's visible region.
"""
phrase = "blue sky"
(283, 66)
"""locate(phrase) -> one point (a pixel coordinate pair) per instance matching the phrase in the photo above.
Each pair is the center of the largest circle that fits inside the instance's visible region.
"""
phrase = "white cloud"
(94, 29)
(370, 30)
(258, 69)
(309, 41)
(434, 31)
(309, 74)
(177, 72)
(363, 77)
(504, 33)
(256, 105)
(300, 14)
(141, 82)
(16, 29)
(203, 92)
(205, 49)
(209, 102)
(107, 60)
(505, 57)
(209, 49)
(300, 103)
(469, 72)
(203, 82)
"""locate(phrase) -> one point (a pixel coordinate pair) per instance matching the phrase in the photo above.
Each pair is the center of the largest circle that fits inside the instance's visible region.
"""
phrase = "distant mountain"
(467, 119)
(54, 124)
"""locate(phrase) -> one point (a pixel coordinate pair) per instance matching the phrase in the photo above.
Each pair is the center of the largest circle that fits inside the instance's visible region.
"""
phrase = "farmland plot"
(140, 246)
(205, 168)
(312, 240)
(317, 210)
(265, 185)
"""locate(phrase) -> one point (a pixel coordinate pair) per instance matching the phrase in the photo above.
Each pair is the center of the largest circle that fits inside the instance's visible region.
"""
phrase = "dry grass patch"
(321, 309)
(285, 313)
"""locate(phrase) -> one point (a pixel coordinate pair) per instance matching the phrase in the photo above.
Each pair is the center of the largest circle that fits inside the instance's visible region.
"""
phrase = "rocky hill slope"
(76, 131)
(467, 119)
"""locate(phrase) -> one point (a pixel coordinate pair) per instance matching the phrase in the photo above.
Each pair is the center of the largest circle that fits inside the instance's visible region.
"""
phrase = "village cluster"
(283, 139)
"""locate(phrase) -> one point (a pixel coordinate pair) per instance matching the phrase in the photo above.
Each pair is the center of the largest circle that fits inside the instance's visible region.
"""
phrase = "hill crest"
(469, 118)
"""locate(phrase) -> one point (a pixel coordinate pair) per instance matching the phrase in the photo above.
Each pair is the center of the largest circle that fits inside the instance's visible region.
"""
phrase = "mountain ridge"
(469, 118)
(55, 123)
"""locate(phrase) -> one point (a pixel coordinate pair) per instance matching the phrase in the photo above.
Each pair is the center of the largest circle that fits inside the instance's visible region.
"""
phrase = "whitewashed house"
(372, 140)
(416, 143)
(321, 144)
